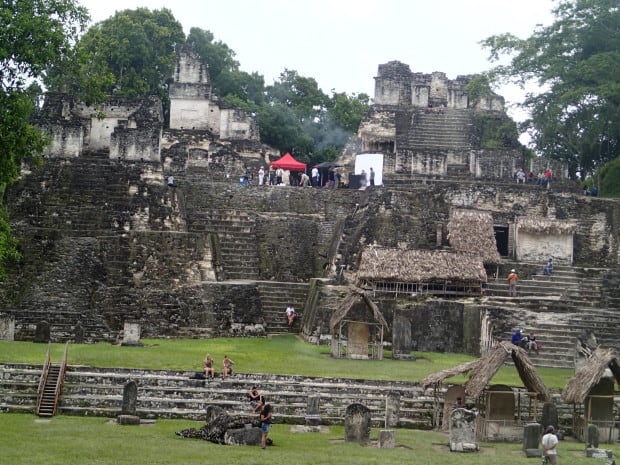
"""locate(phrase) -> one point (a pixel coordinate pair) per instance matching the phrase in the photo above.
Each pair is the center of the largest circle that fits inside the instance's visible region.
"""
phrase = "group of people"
(260, 406)
(513, 277)
(543, 178)
(227, 366)
(528, 341)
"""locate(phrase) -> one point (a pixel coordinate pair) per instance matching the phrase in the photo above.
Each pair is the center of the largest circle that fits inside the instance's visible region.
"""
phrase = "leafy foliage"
(576, 63)
(34, 35)
(130, 54)
(609, 178)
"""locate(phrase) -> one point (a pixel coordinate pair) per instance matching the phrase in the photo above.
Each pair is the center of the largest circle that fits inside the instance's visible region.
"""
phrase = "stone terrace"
(172, 394)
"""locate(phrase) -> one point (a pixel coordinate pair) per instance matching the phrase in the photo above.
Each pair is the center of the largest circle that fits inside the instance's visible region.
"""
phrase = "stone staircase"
(173, 394)
(558, 308)
(275, 297)
(446, 130)
(237, 241)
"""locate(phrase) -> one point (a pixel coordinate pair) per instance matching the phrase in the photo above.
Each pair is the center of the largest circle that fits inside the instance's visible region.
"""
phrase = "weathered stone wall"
(436, 326)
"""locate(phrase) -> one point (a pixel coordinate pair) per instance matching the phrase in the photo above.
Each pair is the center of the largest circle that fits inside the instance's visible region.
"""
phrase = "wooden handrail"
(44, 373)
(61, 377)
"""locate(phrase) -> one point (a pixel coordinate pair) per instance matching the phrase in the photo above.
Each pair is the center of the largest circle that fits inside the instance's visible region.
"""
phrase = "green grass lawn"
(63, 440)
(284, 355)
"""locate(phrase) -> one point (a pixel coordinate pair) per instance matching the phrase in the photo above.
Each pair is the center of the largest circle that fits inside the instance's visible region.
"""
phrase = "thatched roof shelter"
(354, 296)
(589, 375)
(385, 264)
(438, 377)
(471, 231)
(483, 370)
(540, 225)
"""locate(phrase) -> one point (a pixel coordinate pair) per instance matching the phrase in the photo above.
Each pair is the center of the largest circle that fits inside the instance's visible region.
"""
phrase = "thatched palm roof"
(540, 225)
(588, 375)
(355, 295)
(483, 370)
(471, 231)
(438, 377)
(418, 265)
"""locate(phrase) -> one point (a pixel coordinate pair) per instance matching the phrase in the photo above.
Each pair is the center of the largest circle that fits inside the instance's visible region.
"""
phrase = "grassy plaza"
(27, 439)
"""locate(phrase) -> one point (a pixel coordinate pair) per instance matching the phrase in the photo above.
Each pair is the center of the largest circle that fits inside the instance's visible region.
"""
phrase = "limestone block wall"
(495, 163)
(538, 248)
(64, 140)
(188, 110)
(136, 144)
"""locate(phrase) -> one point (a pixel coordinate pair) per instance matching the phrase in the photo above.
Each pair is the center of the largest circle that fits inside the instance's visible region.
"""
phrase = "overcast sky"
(340, 43)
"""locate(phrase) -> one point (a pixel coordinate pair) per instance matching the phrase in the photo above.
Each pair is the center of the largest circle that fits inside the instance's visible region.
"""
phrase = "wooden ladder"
(50, 384)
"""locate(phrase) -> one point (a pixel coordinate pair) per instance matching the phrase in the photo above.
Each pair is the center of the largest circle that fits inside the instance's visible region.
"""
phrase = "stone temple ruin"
(106, 241)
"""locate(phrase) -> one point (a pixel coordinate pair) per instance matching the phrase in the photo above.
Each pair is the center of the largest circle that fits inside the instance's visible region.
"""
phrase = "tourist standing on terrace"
(512, 279)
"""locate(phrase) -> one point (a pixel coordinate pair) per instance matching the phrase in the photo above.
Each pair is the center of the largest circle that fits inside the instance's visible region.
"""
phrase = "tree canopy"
(133, 53)
(575, 61)
(34, 34)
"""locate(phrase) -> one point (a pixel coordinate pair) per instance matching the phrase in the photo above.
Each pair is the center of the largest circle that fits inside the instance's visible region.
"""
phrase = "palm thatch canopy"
(419, 265)
(483, 370)
(438, 377)
(471, 231)
(354, 296)
(589, 375)
(540, 225)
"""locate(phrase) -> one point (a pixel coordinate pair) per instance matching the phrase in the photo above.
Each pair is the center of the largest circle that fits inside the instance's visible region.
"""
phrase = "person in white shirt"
(290, 315)
(550, 445)
(315, 177)
(261, 176)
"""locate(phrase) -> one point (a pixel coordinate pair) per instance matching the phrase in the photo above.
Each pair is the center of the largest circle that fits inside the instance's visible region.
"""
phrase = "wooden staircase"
(50, 385)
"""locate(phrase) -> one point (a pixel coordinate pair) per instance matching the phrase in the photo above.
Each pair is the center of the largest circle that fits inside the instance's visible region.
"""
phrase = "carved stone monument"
(130, 401)
(357, 424)
(131, 334)
(78, 333)
(387, 439)
(7, 327)
(401, 337)
(392, 409)
(549, 415)
(532, 433)
(463, 431)
(313, 412)
(42, 332)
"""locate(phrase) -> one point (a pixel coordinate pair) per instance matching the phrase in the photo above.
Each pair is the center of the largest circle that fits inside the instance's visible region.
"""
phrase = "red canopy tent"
(287, 162)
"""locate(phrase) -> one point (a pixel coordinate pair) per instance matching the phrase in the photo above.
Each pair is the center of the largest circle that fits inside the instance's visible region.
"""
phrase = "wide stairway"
(558, 309)
(173, 394)
(236, 237)
(275, 297)
(446, 129)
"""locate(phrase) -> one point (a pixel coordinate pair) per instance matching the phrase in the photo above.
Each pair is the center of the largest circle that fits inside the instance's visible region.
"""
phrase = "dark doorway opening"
(501, 239)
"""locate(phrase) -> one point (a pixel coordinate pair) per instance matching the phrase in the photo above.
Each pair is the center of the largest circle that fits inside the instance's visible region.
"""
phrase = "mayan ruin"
(133, 227)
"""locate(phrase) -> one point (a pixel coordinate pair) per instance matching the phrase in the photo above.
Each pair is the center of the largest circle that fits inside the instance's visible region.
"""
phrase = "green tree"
(609, 178)
(34, 34)
(133, 54)
(217, 55)
(576, 62)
